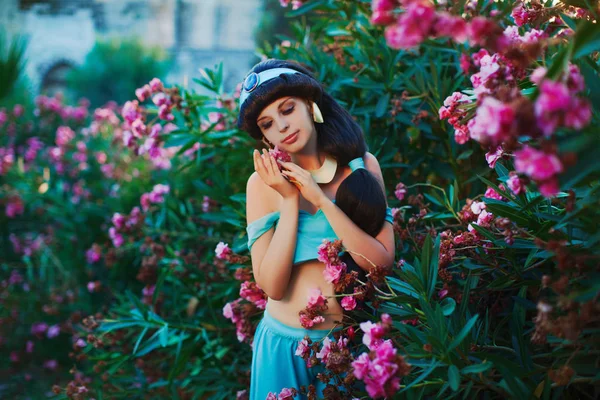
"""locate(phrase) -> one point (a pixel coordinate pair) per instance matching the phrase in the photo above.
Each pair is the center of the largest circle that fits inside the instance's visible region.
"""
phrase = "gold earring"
(317, 115)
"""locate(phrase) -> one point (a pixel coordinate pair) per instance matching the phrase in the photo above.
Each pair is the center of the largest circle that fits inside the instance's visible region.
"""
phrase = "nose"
(282, 125)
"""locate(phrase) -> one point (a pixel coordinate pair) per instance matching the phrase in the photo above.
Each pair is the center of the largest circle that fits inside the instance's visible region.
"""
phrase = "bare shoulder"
(260, 198)
(372, 165)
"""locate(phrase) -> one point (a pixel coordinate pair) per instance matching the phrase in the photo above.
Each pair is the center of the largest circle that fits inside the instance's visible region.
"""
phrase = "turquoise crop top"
(312, 228)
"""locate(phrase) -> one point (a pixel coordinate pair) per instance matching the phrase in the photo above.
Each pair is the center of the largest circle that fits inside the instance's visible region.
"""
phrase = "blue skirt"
(274, 363)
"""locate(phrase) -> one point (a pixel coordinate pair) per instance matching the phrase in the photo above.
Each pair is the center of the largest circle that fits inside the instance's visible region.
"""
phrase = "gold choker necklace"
(326, 172)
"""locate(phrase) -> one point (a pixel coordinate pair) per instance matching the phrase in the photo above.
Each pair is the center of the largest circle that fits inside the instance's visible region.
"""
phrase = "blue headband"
(254, 80)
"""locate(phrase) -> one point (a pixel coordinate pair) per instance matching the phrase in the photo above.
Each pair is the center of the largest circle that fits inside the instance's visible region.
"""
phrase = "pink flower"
(521, 15)
(400, 191)
(484, 219)
(538, 75)
(92, 255)
(222, 251)
(490, 193)
(285, 394)
(161, 99)
(493, 121)
(143, 93)
(280, 155)
(241, 394)
(349, 303)
(325, 350)
(493, 156)
(164, 113)
(35, 145)
(117, 238)
(51, 364)
(130, 111)
(64, 135)
(14, 206)
(575, 81)
(333, 272)
(119, 220)
(138, 128)
(382, 12)
(536, 164)
(512, 33)
(158, 192)
(480, 29)
(361, 366)
(373, 334)
(515, 184)
(29, 346)
(579, 114)
(53, 331)
(230, 311)
(91, 287)
(148, 290)
(307, 322)
(549, 188)
(303, 349)
(39, 328)
(18, 110)
(477, 207)
(553, 101)
(412, 28)
(381, 370)
(145, 201)
(465, 63)
(316, 298)
(328, 252)
(253, 293)
(451, 26)
(156, 85)
(534, 36)
(443, 293)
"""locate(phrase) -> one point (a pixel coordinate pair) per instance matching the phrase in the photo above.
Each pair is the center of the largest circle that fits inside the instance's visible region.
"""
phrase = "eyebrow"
(278, 107)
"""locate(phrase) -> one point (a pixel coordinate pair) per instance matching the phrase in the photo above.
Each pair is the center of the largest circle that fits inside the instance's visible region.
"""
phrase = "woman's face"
(287, 123)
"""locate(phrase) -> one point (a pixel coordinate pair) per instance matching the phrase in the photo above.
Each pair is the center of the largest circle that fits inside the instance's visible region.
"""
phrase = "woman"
(331, 189)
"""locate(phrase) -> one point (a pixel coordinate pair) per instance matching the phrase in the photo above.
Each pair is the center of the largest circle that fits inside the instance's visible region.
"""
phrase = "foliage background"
(156, 300)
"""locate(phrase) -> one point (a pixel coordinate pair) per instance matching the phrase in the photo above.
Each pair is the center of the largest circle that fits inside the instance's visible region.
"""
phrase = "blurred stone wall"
(196, 33)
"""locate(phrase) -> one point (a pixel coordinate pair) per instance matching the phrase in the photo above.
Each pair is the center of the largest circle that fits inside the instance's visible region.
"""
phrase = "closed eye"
(287, 111)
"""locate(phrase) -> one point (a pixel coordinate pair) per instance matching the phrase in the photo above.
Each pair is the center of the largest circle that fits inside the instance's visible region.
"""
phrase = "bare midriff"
(306, 276)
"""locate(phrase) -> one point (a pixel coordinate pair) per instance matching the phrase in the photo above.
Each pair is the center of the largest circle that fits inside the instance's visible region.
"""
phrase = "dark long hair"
(360, 195)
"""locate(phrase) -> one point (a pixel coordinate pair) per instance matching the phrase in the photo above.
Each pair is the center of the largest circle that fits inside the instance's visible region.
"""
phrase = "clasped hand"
(290, 180)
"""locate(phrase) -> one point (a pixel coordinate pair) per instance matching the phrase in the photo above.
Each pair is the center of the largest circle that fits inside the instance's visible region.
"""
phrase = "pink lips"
(291, 138)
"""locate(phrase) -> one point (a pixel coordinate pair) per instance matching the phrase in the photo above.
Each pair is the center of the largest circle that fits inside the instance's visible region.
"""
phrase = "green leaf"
(587, 39)
(463, 332)
(382, 104)
(425, 374)
(465, 154)
(454, 377)
(448, 305)
(433, 267)
(139, 340)
(402, 287)
(164, 335)
(305, 8)
(504, 210)
(476, 368)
